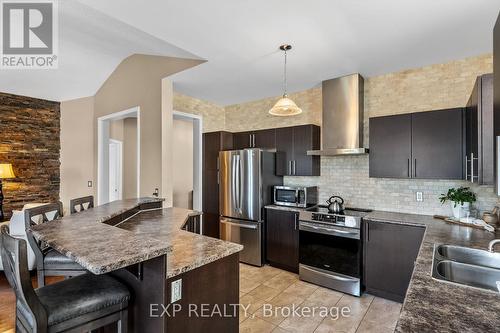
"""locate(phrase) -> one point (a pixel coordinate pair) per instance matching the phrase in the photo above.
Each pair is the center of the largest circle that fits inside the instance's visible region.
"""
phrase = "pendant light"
(285, 106)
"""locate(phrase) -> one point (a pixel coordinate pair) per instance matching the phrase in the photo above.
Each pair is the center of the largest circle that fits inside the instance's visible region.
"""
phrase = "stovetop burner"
(350, 217)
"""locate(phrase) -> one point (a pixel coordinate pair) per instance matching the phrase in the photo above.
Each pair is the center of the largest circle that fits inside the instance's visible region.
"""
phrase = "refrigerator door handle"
(238, 182)
(233, 181)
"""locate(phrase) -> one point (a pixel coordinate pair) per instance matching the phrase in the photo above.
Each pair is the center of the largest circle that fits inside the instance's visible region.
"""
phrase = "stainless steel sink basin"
(471, 275)
(468, 255)
(467, 266)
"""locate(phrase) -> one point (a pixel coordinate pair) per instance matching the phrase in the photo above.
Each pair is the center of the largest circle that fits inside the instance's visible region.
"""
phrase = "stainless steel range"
(330, 248)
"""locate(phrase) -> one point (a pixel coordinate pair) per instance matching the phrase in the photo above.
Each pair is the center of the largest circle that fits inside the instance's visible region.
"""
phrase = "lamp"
(285, 106)
(6, 172)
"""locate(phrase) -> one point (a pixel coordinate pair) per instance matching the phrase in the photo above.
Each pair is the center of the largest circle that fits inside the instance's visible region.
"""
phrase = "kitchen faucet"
(492, 244)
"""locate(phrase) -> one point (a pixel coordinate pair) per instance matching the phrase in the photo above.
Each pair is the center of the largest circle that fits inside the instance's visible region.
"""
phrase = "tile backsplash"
(347, 176)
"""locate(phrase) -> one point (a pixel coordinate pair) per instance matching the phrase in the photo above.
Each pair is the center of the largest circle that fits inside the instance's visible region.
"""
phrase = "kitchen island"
(436, 306)
(146, 248)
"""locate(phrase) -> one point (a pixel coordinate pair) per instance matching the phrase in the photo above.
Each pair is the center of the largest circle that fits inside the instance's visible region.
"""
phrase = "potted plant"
(460, 200)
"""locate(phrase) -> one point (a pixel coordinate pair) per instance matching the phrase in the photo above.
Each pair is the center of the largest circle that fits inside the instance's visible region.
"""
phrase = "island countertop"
(101, 248)
(436, 306)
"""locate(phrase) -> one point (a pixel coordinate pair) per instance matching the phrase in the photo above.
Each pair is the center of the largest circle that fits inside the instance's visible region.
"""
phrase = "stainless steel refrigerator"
(247, 178)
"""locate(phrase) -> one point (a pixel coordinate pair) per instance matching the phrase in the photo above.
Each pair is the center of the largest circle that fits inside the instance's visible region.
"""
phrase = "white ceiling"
(240, 40)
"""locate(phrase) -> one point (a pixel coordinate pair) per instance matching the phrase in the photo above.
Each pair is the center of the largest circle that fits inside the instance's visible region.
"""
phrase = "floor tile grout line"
(361, 321)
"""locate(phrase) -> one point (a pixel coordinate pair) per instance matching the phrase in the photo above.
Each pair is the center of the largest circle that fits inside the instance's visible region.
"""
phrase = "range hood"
(342, 130)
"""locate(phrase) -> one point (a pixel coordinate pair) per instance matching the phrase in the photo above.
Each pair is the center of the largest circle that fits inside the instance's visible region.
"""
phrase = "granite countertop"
(102, 248)
(436, 306)
(189, 250)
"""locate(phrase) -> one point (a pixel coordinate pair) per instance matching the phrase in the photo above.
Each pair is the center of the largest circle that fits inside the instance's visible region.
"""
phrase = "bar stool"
(82, 303)
(49, 262)
(78, 204)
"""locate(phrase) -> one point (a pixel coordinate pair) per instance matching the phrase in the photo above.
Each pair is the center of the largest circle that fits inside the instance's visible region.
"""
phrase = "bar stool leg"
(122, 323)
(41, 278)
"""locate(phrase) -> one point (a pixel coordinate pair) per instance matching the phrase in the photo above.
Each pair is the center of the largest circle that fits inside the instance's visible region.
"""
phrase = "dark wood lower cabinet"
(390, 251)
(212, 286)
(282, 239)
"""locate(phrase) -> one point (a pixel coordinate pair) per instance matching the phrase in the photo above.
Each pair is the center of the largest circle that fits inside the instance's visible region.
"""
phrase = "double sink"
(467, 266)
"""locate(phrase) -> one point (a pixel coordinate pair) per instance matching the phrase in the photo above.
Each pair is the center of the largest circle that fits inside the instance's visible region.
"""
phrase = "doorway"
(187, 161)
(118, 156)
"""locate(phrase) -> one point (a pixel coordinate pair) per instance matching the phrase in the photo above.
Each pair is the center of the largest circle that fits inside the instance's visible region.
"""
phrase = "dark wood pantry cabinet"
(282, 239)
(390, 251)
(292, 144)
(213, 143)
(423, 145)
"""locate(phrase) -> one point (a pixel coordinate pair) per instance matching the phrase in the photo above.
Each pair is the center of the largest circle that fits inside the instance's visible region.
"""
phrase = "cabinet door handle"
(253, 135)
(250, 140)
(296, 220)
(466, 168)
(472, 167)
(294, 168)
(415, 169)
(408, 168)
(290, 168)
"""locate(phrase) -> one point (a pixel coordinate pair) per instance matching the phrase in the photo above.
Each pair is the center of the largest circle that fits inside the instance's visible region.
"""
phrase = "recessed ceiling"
(240, 39)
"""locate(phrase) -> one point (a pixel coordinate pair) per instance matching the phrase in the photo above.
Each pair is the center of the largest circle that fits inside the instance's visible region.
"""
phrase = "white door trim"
(103, 151)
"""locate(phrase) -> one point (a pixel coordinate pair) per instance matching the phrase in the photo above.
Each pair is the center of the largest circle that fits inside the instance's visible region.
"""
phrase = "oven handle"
(329, 230)
(239, 225)
(330, 275)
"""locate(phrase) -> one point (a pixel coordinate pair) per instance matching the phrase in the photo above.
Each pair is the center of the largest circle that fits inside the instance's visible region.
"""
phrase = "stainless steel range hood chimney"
(342, 130)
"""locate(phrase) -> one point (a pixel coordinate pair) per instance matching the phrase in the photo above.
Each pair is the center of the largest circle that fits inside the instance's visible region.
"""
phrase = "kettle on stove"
(335, 204)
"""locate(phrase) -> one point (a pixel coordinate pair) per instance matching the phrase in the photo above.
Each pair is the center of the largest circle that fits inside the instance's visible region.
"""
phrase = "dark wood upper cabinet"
(424, 145)
(282, 239)
(265, 138)
(390, 146)
(479, 139)
(437, 146)
(390, 251)
(292, 144)
(255, 139)
(242, 140)
(284, 151)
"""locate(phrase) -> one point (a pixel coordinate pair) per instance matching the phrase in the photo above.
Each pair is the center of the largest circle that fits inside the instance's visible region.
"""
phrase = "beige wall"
(137, 82)
(213, 114)
(77, 149)
(183, 163)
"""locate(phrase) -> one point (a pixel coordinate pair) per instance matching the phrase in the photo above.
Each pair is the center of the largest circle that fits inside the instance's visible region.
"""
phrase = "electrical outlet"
(420, 196)
(89, 183)
(176, 293)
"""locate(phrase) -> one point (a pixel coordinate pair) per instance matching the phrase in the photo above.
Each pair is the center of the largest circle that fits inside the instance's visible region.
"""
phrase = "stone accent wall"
(213, 115)
(255, 114)
(29, 139)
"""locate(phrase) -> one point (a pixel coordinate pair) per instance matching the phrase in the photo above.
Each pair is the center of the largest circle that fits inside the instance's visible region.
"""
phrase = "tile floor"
(268, 291)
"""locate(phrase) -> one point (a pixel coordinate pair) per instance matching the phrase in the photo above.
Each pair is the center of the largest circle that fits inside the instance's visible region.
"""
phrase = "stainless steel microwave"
(296, 196)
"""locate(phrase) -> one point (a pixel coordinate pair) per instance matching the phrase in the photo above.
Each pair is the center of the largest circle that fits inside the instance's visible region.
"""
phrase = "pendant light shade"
(285, 106)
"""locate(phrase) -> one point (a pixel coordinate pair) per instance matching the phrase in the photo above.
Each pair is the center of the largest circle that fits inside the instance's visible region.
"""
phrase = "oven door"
(331, 249)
